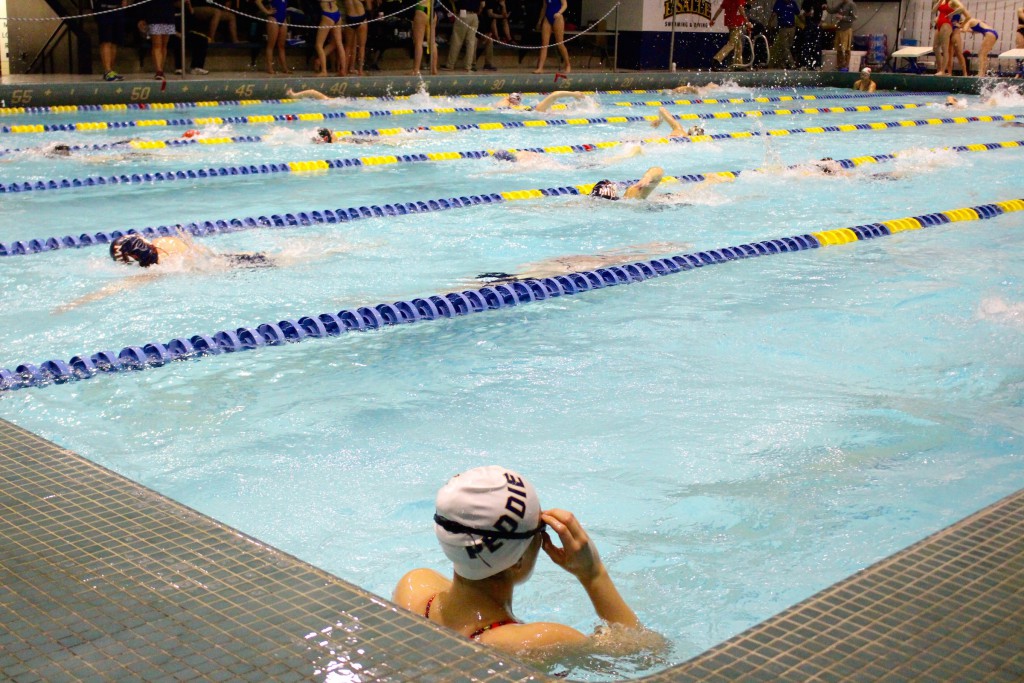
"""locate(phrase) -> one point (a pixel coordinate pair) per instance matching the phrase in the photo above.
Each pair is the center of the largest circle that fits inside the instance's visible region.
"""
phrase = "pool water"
(734, 438)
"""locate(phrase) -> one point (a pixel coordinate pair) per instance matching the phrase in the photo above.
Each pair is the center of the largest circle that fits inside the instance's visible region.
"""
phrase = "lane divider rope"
(346, 215)
(321, 165)
(493, 125)
(155, 106)
(455, 304)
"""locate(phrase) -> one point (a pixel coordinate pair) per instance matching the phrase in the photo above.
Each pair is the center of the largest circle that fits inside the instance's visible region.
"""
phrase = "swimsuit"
(480, 631)
(333, 16)
(357, 19)
(978, 29)
(280, 10)
(945, 9)
(552, 8)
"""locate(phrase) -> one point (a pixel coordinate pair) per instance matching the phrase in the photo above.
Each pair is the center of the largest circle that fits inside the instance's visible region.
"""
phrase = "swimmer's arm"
(546, 103)
(307, 94)
(666, 116)
(872, 86)
(125, 285)
(645, 186)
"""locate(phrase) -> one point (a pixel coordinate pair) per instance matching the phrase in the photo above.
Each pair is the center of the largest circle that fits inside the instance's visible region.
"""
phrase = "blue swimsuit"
(280, 10)
(551, 9)
(978, 29)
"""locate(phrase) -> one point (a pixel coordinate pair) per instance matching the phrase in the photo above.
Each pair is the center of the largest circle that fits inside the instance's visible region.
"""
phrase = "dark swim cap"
(324, 134)
(605, 189)
(504, 155)
(133, 247)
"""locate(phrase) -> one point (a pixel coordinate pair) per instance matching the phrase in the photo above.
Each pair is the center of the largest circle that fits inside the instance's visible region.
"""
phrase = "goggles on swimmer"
(515, 99)
(503, 155)
(128, 248)
(456, 528)
(324, 134)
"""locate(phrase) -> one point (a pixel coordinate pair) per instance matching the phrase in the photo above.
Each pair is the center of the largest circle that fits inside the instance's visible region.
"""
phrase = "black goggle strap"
(456, 528)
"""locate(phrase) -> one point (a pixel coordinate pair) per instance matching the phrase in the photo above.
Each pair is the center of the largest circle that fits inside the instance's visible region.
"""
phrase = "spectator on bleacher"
(424, 23)
(552, 22)
(989, 36)
(330, 25)
(467, 22)
(276, 14)
(784, 17)
(228, 17)
(1019, 38)
(356, 27)
(110, 23)
(845, 13)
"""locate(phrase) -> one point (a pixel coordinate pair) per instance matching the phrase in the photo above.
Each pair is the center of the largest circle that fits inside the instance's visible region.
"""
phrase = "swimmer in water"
(664, 116)
(306, 95)
(493, 552)
(326, 136)
(176, 252)
(641, 189)
(688, 89)
(864, 83)
(578, 263)
(514, 156)
(516, 100)
(953, 103)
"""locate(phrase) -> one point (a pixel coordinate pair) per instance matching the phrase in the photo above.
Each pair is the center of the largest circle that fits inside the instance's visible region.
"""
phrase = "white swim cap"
(866, 70)
(486, 519)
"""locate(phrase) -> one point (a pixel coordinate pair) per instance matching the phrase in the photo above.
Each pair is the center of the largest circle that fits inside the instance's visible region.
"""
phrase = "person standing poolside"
(110, 24)
(865, 83)
(160, 26)
(736, 22)
(356, 31)
(552, 22)
(943, 10)
(467, 21)
(424, 25)
(989, 36)
(845, 14)
(489, 523)
(330, 25)
(1019, 36)
(277, 33)
(784, 13)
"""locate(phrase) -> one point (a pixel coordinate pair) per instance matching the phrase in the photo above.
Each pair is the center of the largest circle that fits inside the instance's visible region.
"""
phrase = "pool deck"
(102, 579)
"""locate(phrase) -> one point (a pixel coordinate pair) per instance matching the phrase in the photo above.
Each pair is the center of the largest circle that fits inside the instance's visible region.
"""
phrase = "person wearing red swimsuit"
(490, 525)
(944, 31)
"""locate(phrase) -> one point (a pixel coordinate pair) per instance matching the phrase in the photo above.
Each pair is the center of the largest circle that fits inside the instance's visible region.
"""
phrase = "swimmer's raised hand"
(577, 555)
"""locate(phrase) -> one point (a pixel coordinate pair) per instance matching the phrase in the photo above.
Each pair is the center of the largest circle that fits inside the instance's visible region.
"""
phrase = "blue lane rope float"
(320, 165)
(490, 125)
(145, 144)
(207, 104)
(455, 304)
(763, 100)
(346, 215)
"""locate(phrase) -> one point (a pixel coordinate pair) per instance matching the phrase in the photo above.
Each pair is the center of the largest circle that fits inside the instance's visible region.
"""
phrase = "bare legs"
(987, 44)
(419, 28)
(941, 48)
(276, 36)
(159, 50)
(546, 29)
(328, 27)
(355, 36)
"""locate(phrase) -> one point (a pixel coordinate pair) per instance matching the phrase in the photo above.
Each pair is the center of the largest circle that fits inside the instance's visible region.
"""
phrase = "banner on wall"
(687, 15)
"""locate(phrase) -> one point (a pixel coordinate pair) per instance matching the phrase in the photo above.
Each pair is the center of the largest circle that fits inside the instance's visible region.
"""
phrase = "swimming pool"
(735, 438)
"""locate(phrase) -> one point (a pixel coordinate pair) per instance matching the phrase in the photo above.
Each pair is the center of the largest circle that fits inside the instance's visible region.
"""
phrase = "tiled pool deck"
(102, 579)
